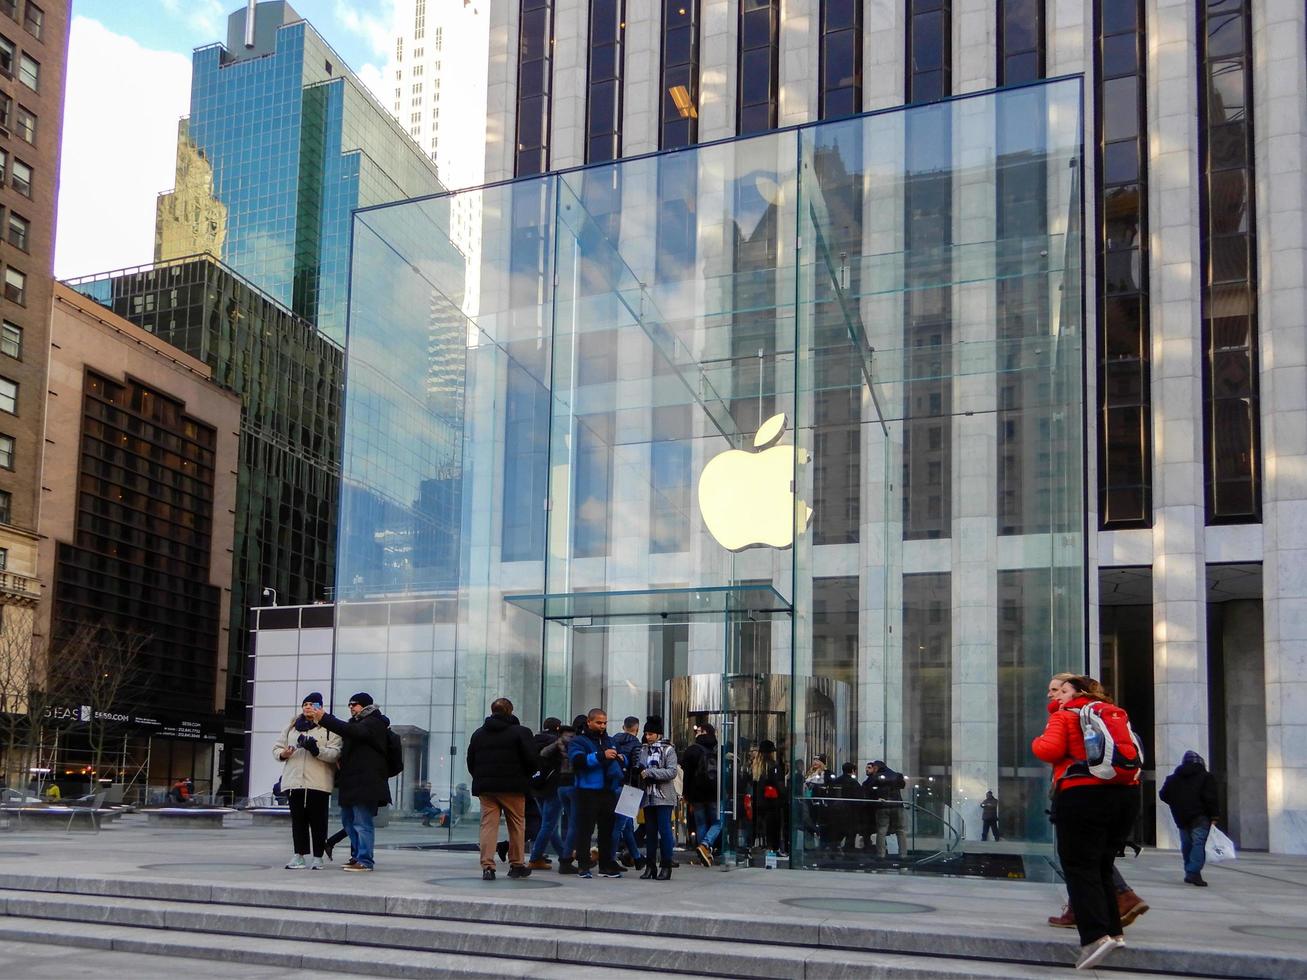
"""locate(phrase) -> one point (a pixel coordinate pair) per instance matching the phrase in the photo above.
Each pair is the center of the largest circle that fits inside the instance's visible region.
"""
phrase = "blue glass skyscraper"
(289, 142)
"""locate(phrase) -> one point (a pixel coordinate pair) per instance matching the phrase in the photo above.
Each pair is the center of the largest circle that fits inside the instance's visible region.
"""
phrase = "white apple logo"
(747, 498)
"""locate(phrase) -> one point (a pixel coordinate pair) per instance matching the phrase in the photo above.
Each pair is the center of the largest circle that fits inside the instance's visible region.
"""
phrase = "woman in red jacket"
(1093, 818)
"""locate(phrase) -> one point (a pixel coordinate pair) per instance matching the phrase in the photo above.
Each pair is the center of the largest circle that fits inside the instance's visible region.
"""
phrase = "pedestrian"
(567, 795)
(1093, 814)
(700, 762)
(364, 773)
(597, 766)
(544, 788)
(887, 793)
(627, 743)
(768, 795)
(425, 805)
(989, 816)
(847, 812)
(308, 754)
(1190, 792)
(1128, 904)
(655, 766)
(501, 757)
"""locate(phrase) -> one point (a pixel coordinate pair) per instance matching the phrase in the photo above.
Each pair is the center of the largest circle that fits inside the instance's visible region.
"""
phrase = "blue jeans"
(707, 823)
(567, 803)
(357, 821)
(550, 809)
(624, 832)
(1193, 845)
(658, 833)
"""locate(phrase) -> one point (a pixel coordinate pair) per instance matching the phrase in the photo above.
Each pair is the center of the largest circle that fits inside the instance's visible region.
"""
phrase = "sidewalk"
(1256, 908)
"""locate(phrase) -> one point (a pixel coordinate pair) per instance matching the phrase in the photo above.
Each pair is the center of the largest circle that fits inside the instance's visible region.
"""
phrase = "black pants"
(989, 825)
(1092, 822)
(308, 819)
(594, 806)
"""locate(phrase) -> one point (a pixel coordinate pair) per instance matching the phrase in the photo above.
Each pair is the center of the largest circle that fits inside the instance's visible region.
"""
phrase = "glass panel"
(651, 451)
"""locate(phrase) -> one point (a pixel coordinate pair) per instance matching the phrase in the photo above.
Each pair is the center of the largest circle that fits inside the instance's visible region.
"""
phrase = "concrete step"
(615, 931)
(395, 945)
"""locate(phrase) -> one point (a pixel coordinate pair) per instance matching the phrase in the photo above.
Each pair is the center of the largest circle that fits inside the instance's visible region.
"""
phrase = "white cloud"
(207, 16)
(375, 79)
(119, 147)
(375, 25)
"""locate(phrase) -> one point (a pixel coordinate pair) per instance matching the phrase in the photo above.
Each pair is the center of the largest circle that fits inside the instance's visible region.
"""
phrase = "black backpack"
(706, 774)
(394, 754)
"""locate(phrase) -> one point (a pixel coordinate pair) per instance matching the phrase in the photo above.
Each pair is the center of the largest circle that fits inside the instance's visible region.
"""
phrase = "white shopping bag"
(628, 804)
(1219, 846)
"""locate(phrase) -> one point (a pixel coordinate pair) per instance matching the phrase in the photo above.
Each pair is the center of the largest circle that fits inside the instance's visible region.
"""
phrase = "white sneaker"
(1094, 953)
(316, 865)
(296, 863)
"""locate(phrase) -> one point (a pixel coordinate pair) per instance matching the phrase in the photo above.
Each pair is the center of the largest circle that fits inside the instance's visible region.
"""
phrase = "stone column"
(800, 34)
(641, 84)
(1179, 573)
(883, 56)
(718, 59)
(501, 91)
(569, 91)
(1280, 131)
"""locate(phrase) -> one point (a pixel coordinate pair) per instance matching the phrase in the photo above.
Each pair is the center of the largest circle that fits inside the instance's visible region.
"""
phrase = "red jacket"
(1062, 744)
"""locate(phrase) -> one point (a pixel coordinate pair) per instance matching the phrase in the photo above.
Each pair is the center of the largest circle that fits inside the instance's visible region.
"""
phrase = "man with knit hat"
(1190, 792)
(364, 773)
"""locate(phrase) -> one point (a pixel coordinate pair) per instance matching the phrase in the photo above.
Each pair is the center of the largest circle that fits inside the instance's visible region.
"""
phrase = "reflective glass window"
(1020, 41)
(604, 102)
(840, 88)
(535, 79)
(1231, 395)
(758, 65)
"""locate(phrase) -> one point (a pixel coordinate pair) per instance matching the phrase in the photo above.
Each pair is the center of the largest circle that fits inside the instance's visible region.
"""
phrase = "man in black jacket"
(362, 780)
(544, 787)
(501, 756)
(1190, 792)
(699, 763)
(887, 790)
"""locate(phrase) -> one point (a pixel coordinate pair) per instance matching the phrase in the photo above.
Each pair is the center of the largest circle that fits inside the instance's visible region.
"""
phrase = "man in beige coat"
(309, 753)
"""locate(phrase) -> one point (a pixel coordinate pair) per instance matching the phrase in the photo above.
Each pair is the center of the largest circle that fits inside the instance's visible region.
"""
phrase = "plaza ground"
(160, 902)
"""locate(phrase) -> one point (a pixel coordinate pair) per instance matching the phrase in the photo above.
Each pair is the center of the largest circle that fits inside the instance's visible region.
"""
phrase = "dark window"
(929, 49)
(592, 504)
(840, 87)
(526, 454)
(1231, 436)
(33, 19)
(25, 124)
(534, 83)
(1124, 399)
(6, 507)
(759, 65)
(1020, 41)
(678, 110)
(7, 452)
(604, 104)
(927, 676)
(670, 516)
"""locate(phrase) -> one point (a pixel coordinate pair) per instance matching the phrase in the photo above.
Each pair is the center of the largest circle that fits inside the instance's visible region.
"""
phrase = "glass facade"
(662, 473)
(295, 143)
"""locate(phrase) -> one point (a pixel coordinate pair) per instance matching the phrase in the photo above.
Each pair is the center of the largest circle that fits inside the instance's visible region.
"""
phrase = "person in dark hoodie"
(627, 743)
(362, 780)
(501, 756)
(544, 787)
(1190, 792)
(700, 784)
(599, 773)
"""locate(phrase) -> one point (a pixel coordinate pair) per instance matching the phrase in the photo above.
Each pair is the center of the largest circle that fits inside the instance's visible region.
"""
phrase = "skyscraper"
(294, 142)
(33, 58)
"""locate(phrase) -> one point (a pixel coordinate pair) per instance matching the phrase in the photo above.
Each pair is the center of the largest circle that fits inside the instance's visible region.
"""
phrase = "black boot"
(664, 873)
(650, 869)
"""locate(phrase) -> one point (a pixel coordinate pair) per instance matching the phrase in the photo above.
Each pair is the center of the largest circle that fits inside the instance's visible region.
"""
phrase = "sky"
(129, 82)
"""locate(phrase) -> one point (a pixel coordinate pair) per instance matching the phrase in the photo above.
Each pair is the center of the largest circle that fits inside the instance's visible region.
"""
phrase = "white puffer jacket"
(304, 770)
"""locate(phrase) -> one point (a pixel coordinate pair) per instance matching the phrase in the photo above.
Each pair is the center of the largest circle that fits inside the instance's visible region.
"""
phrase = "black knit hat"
(314, 698)
(362, 699)
(654, 723)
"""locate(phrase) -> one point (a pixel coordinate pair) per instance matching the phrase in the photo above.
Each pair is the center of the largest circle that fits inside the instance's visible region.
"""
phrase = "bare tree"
(99, 669)
(19, 667)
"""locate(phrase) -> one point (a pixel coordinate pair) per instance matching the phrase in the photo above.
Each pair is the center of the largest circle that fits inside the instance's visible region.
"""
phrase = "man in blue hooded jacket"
(597, 765)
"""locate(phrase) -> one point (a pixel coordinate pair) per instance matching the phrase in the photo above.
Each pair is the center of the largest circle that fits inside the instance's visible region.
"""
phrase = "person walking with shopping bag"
(1190, 792)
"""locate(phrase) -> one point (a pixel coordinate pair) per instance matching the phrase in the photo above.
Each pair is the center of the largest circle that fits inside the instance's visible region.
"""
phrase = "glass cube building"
(783, 432)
